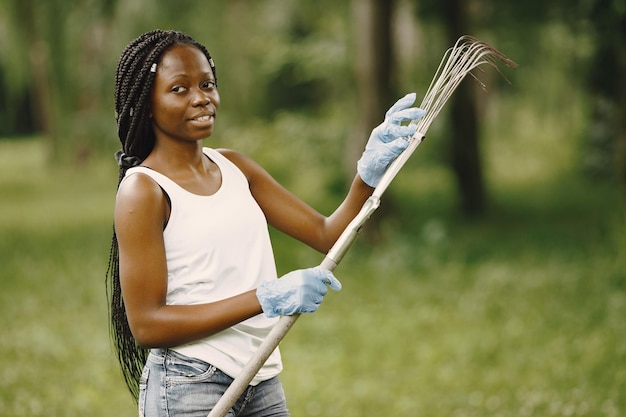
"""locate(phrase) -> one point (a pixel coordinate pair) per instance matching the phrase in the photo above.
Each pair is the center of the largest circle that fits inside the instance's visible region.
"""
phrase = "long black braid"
(133, 86)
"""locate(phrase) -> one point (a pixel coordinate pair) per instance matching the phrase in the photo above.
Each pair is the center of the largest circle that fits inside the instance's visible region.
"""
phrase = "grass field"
(521, 314)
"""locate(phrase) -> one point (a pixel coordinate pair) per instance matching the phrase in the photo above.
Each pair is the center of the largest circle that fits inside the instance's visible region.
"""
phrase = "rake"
(467, 54)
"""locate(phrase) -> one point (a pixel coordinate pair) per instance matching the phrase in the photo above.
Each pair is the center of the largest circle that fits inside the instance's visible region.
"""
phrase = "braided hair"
(134, 79)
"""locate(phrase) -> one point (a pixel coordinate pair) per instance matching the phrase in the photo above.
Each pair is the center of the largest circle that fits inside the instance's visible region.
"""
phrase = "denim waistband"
(161, 355)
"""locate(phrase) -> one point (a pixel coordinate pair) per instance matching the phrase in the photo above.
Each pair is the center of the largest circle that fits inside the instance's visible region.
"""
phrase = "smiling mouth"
(203, 118)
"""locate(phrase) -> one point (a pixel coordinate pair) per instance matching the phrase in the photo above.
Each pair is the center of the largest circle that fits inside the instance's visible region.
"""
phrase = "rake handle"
(330, 262)
(240, 383)
(271, 342)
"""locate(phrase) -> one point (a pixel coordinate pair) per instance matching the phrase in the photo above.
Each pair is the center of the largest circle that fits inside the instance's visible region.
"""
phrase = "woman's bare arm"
(289, 214)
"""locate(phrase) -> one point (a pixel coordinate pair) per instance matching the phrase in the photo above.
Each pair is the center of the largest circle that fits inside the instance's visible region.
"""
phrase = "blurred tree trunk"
(605, 156)
(622, 106)
(374, 68)
(38, 56)
(465, 155)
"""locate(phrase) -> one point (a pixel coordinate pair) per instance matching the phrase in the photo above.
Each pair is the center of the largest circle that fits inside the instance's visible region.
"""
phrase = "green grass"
(520, 314)
(55, 226)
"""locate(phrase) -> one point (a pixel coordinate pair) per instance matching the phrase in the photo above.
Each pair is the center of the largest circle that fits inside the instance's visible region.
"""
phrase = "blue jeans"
(175, 385)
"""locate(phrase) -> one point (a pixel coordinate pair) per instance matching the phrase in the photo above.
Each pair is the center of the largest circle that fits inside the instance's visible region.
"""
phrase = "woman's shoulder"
(245, 164)
(230, 154)
(240, 160)
(139, 187)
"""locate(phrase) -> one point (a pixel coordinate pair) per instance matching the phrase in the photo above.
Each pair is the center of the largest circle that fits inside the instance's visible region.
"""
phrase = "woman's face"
(184, 96)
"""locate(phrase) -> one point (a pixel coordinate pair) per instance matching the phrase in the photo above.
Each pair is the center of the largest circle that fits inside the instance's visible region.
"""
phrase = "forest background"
(492, 280)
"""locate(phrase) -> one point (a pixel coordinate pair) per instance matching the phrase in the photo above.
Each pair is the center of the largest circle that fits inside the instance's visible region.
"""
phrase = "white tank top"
(216, 247)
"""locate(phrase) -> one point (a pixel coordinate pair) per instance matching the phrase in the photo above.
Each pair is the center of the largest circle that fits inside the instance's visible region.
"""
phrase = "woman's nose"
(200, 98)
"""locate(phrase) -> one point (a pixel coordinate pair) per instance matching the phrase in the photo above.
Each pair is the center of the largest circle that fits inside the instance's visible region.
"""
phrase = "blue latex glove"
(388, 140)
(300, 291)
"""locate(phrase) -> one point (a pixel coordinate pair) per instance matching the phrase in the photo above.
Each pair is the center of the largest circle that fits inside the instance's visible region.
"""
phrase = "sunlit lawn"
(522, 314)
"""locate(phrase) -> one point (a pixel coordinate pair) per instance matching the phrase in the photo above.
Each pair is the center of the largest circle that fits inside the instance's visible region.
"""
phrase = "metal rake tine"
(440, 86)
(466, 55)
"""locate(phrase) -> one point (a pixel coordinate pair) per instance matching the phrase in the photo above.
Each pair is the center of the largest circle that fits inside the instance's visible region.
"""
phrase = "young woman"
(193, 285)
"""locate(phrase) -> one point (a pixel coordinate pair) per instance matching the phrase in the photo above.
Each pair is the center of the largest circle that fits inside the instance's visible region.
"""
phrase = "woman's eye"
(209, 84)
(179, 89)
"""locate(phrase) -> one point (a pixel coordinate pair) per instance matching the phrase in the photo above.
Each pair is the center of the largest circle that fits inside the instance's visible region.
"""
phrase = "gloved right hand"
(388, 140)
(300, 291)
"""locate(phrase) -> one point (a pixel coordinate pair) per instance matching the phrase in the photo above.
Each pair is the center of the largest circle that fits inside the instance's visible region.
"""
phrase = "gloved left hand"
(388, 140)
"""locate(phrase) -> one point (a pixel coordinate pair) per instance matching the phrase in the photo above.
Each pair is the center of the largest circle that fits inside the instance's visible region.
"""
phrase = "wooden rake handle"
(330, 262)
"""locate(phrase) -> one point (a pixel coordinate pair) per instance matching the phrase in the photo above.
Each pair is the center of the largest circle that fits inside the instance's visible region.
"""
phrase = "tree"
(373, 69)
(60, 51)
(374, 82)
(465, 157)
(606, 137)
